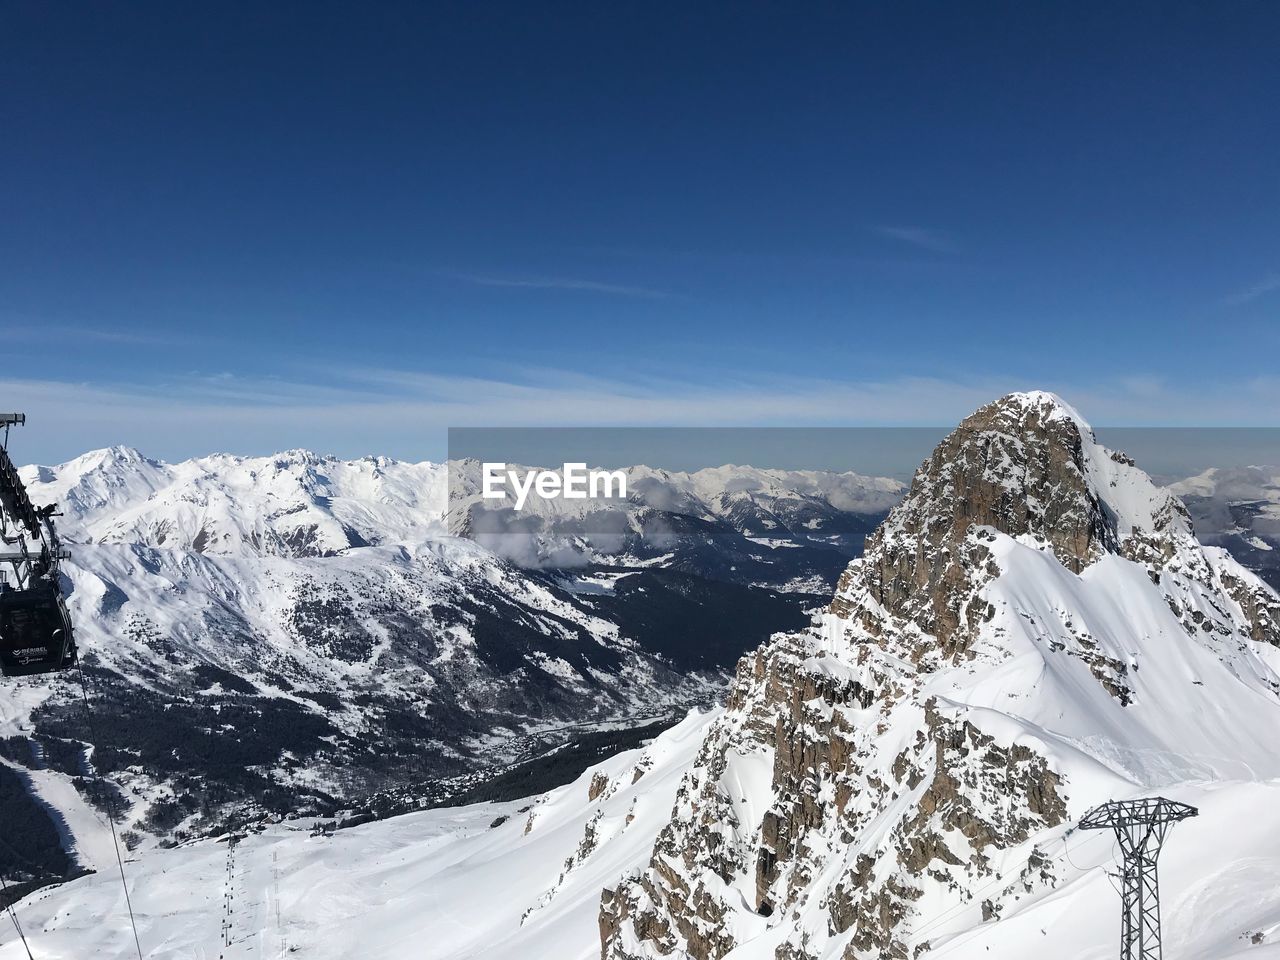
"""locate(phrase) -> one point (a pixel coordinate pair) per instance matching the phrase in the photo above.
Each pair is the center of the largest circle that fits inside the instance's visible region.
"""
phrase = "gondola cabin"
(35, 631)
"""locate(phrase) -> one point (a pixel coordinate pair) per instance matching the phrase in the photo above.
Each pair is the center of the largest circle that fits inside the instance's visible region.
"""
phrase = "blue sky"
(252, 227)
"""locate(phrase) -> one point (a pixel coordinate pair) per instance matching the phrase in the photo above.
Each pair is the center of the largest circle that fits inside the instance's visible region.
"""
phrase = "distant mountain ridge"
(298, 503)
(1238, 509)
(295, 503)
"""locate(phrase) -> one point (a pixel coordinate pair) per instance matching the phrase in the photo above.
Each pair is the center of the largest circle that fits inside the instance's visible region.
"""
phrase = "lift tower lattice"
(1140, 827)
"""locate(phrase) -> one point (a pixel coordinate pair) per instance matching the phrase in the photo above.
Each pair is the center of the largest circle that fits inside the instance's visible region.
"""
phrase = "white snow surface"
(438, 885)
(446, 885)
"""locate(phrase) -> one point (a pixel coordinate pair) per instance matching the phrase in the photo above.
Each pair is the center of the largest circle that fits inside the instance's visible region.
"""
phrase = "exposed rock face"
(1260, 604)
(867, 770)
(599, 783)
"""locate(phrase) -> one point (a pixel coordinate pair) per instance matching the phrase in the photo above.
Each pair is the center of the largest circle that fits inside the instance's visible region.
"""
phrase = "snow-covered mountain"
(1033, 630)
(726, 522)
(296, 632)
(292, 504)
(298, 503)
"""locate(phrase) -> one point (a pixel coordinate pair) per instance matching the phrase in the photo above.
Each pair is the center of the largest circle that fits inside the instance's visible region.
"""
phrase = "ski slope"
(439, 884)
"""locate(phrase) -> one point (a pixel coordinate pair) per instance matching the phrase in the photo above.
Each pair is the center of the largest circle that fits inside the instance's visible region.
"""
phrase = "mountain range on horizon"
(300, 503)
(329, 597)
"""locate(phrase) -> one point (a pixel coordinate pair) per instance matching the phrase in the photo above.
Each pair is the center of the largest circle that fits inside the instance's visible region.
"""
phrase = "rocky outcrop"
(1018, 466)
(851, 781)
(1259, 604)
(599, 783)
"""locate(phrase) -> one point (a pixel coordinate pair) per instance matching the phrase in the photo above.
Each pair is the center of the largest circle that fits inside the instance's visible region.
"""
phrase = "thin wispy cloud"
(1268, 285)
(567, 283)
(923, 238)
(33, 330)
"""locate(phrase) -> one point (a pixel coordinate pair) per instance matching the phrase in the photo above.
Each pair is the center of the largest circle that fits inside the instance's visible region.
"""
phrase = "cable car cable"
(4, 885)
(111, 806)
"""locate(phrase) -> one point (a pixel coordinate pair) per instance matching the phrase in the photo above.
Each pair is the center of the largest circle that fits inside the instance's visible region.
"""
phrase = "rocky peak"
(1017, 465)
(1028, 466)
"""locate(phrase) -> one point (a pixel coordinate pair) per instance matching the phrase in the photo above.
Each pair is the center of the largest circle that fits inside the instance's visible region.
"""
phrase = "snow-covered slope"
(521, 881)
(1033, 630)
(512, 881)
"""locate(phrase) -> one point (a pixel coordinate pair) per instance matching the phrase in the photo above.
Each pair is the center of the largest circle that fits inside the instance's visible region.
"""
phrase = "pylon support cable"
(111, 807)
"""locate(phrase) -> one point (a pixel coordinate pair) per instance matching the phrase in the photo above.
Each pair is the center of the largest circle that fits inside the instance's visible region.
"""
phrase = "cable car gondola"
(35, 629)
(35, 632)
